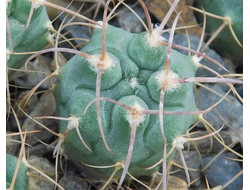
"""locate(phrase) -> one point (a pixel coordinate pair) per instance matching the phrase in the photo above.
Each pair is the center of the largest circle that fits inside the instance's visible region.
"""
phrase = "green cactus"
(126, 100)
(21, 181)
(232, 11)
(133, 74)
(21, 39)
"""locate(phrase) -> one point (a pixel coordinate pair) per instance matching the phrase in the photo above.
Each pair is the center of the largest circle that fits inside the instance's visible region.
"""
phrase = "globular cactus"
(128, 82)
(21, 179)
(226, 19)
(133, 75)
(27, 31)
(126, 100)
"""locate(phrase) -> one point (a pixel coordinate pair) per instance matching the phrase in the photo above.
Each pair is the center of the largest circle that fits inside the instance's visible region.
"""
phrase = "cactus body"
(34, 38)
(21, 181)
(132, 79)
(224, 43)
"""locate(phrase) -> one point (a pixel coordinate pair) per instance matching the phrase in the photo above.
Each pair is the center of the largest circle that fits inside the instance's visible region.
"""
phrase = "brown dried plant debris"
(159, 9)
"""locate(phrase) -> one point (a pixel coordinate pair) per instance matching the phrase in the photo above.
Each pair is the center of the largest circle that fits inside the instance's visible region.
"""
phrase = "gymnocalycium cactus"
(27, 31)
(21, 181)
(133, 74)
(126, 100)
(225, 21)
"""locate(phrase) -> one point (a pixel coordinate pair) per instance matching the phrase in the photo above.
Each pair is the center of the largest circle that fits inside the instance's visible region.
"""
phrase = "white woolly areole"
(7, 54)
(50, 38)
(170, 80)
(135, 115)
(133, 83)
(197, 60)
(49, 25)
(24, 160)
(73, 122)
(37, 3)
(101, 23)
(179, 142)
(95, 62)
(155, 38)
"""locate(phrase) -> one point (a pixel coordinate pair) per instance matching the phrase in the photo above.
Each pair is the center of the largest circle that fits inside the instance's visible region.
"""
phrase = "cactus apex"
(133, 82)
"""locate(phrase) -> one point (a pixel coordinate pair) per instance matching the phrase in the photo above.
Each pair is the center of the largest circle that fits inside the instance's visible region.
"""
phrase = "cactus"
(133, 78)
(27, 31)
(227, 19)
(126, 100)
(21, 180)
(139, 75)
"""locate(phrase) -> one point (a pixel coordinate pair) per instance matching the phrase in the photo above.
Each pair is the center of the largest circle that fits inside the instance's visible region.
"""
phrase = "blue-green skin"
(224, 43)
(33, 39)
(133, 57)
(22, 181)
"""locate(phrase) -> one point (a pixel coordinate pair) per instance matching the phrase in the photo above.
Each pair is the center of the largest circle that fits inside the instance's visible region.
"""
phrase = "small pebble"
(222, 170)
(71, 182)
(36, 180)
